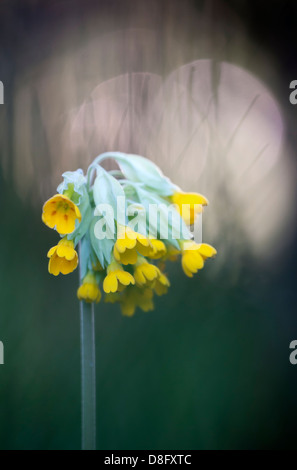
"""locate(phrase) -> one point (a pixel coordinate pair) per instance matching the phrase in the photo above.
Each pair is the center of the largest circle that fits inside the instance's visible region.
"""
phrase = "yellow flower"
(117, 279)
(89, 290)
(145, 273)
(134, 297)
(194, 255)
(158, 249)
(189, 205)
(207, 251)
(63, 258)
(128, 244)
(128, 257)
(161, 285)
(60, 212)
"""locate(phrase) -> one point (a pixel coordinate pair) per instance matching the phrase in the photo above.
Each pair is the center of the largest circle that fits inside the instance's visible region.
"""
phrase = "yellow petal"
(186, 270)
(189, 198)
(53, 265)
(143, 240)
(48, 220)
(150, 271)
(67, 267)
(110, 283)
(125, 278)
(207, 251)
(89, 292)
(130, 234)
(77, 213)
(52, 251)
(128, 257)
(116, 254)
(164, 280)
(67, 252)
(158, 249)
(143, 250)
(61, 212)
(194, 261)
(124, 244)
(139, 277)
(64, 224)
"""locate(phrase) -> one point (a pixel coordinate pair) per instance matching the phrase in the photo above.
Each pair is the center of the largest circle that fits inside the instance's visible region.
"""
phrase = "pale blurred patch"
(211, 126)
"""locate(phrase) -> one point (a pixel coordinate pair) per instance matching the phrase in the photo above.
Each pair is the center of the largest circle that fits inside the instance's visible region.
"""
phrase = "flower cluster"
(122, 243)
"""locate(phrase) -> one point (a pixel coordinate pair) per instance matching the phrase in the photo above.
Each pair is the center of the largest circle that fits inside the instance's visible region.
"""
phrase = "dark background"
(209, 367)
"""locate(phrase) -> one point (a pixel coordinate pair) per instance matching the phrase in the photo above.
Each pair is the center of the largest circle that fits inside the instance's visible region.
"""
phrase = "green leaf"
(103, 248)
(107, 191)
(139, 169)
(168, 222)
(76, 179)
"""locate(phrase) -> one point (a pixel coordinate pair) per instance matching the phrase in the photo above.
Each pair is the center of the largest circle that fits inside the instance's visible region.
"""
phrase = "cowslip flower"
(117, 279)
(158, 249)
(89, 290)
(134, 297)
(145, 273)
(194, 255)
(63, 258)
(189, 205)
(128, 244)
(60, 212)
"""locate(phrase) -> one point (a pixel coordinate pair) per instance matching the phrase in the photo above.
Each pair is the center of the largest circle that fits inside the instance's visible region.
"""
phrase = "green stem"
(88, 376)
(99, 159)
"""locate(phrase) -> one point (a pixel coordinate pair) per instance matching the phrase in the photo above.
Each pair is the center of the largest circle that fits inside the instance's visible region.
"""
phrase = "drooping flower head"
(162, 285)
(63, 258)
(128, 256)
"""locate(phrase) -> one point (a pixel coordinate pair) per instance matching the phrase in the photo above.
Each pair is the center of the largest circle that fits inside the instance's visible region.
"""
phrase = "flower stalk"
(88, 375)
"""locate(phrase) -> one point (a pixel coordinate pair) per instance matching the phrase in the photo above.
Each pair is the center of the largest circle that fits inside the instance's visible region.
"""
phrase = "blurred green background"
(207, 369)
